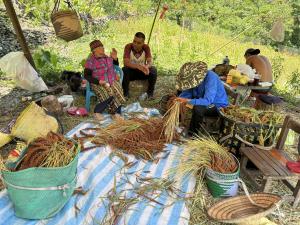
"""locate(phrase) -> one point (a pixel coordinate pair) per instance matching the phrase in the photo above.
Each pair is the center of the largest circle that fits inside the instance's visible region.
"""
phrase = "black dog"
(73, 79)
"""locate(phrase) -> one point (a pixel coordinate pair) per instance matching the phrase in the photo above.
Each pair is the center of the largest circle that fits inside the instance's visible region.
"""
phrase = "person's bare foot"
(98, 116)
(117, 116)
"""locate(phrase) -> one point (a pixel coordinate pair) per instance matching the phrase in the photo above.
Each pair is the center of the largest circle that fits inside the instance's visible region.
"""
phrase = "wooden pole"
(158, 5)
(14, 19)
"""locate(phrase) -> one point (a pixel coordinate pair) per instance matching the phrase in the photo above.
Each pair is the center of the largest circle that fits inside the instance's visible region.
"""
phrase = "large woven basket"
(238, 209)
(246, 132)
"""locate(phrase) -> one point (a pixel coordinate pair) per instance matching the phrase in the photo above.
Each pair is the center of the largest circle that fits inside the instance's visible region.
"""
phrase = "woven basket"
(238, 209)
(66, 25)
(248, 132)
(66, 22)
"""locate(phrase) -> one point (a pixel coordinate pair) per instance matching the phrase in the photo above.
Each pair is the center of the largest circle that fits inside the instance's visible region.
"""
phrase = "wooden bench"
(272, 164)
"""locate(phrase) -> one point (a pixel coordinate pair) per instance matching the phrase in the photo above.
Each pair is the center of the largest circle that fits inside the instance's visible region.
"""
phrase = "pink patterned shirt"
(102, 68)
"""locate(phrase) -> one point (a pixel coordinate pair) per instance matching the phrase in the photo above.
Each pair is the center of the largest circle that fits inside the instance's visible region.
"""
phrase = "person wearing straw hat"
(203, 90)
(99, 71)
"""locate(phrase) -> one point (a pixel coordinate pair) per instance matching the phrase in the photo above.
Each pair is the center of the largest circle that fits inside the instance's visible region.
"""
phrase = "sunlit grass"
(172, 46)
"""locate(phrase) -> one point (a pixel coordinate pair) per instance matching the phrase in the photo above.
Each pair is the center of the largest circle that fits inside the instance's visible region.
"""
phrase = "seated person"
(260, 63)
(138, 64)
(203, 90)
(99, 71)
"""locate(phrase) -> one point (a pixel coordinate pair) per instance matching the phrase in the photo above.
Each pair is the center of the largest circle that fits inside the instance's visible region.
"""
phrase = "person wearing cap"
(99, 71)
(138, 64)
(260, 63)
(202, 89)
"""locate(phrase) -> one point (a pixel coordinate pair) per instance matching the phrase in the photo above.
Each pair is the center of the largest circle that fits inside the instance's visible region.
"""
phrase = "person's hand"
(102, 82)
(144, 69)
(182, 100)
(114, 54)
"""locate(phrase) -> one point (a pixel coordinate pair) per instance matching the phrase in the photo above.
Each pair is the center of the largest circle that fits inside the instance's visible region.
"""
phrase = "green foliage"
(47, 66)
(294, 82)
(277, 67)
(2, 74)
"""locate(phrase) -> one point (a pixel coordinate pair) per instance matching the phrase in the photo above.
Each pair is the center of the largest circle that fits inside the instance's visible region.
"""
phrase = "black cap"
(252, 51)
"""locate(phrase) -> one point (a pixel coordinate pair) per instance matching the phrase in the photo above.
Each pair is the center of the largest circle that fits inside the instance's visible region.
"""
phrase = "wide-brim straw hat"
(238, 209)
(190, 75)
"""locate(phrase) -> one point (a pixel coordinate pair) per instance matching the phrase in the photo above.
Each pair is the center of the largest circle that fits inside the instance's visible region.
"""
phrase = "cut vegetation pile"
(142, 138)
(54, 150)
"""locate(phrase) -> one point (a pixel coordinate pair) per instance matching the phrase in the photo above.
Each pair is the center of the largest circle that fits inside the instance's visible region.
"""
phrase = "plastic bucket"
(222, 184)
(39, 192)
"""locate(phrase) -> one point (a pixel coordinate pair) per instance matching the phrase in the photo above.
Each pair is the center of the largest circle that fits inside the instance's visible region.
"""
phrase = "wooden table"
(244, 90)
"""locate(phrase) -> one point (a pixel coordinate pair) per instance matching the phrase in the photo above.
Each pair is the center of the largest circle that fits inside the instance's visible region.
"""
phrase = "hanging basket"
(66, 23)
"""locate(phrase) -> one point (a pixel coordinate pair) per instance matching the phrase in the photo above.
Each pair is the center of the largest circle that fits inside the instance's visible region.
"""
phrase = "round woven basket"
(237, 209)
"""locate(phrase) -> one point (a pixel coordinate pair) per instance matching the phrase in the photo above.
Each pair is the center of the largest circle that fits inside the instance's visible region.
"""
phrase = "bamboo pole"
(158, 5)
(20, 36)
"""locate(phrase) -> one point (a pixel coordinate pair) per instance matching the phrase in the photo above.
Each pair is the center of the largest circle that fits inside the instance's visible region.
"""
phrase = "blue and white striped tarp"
(98, 173)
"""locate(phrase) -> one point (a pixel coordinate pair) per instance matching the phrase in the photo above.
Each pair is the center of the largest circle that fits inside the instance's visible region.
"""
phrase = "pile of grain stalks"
(142, 138)
(54, 150)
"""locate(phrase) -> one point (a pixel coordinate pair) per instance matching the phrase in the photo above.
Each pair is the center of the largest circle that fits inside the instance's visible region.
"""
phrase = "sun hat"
(190, 75)
(238, 209)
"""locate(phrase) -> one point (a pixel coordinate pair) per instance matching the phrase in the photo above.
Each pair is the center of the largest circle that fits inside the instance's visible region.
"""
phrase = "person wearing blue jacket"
(202, 89)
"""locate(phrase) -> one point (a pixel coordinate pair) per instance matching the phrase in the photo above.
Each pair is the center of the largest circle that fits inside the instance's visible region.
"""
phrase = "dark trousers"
(134, 74)
(100, 107)
(199, 112)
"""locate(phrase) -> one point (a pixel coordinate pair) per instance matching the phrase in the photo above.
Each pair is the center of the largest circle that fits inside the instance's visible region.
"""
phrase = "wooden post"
(13, 17)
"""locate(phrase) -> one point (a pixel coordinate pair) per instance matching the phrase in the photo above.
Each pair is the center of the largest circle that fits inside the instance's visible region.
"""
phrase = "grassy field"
(172, 46)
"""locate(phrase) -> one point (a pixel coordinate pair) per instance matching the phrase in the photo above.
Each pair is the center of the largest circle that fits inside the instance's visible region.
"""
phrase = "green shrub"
(294, 82)
(277, 67)
(47, 66)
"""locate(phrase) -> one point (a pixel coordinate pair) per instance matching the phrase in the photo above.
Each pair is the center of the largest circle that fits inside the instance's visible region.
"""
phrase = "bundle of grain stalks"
(142, 138)
(176, 111)
(251, 115)
(251, 125)
(54, 150)
(200, 153)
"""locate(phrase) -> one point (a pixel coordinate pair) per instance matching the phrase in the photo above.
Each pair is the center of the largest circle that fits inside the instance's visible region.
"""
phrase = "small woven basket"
(238, 209)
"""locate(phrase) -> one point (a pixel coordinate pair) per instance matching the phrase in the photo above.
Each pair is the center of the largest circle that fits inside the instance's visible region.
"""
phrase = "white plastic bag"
(66, 101)
(15, 65)
(247, 70)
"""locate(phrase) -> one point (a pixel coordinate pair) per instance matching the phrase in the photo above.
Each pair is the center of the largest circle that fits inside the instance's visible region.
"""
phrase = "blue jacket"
(210, 91)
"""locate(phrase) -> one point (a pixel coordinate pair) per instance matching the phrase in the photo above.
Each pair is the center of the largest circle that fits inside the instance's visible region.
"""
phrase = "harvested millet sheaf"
(142, 138)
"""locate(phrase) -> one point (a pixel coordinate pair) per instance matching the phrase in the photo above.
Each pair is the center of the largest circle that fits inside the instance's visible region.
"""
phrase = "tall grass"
(167, 42)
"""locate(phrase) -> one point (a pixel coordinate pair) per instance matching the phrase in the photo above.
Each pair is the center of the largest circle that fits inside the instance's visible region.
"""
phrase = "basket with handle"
(40, 192)
(66, 23)
(234, 133)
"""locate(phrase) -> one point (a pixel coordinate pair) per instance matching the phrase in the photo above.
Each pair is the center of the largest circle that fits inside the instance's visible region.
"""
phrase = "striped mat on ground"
(99, 173)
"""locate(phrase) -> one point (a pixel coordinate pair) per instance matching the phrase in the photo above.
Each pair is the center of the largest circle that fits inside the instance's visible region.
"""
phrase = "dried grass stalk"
(142, 138)
(2, 164)
(197, 155)
(54, 150)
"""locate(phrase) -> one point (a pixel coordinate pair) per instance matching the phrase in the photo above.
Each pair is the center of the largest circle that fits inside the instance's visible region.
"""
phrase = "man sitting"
(203, 90)
(138, 64)
(260, 63)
